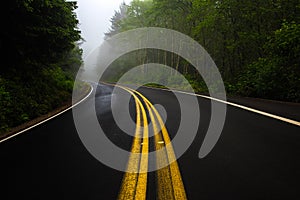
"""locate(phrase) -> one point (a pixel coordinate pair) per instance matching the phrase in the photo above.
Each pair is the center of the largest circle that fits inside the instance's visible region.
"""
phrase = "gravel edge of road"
(289, 110)
(39, 119)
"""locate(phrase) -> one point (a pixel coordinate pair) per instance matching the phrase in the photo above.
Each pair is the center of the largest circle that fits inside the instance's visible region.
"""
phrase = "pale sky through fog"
(94, 20)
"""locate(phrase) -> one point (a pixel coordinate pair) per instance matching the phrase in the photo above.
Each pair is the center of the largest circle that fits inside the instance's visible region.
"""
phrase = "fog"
(94, 20)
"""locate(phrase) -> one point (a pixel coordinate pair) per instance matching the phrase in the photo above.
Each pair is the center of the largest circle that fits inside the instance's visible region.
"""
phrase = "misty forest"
(40, 58)
(254, 43)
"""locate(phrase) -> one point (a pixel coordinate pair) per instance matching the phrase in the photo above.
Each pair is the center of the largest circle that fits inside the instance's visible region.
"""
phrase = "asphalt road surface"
(256, 157)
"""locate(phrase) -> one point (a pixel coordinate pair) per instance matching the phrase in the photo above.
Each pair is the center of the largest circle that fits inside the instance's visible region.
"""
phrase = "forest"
(40, 56)
(254, 43)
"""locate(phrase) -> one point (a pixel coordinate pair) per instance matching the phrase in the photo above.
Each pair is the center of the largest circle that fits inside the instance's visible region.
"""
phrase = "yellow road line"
(169, 181)
(164, 180)
(170, 185)
(178, 187)
(134, 185)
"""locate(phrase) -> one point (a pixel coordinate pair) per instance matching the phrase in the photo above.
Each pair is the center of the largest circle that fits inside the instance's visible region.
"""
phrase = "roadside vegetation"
(254, 43)
(39, 44)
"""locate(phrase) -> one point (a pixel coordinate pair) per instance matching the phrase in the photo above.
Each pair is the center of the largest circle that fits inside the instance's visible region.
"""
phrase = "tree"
(40, 57)
(116, 20)
(40, 30)
(238, 34)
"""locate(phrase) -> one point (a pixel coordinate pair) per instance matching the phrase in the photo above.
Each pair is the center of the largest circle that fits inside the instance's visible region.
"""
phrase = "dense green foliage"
(40, 58)
(254, 43)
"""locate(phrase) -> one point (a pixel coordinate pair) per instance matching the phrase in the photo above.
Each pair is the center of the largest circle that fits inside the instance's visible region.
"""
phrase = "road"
(256, 157)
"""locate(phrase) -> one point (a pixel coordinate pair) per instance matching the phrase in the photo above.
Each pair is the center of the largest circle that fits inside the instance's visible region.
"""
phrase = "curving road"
(256, 157)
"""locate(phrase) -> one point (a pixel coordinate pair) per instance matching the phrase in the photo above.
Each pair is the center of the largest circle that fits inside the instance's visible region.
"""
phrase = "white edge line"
(294, 122)
(27, 129)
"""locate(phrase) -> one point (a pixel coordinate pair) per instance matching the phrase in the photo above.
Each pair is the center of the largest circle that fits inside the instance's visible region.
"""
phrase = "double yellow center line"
(168, 178)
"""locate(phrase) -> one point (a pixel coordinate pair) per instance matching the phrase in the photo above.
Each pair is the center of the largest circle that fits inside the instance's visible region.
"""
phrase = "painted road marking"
(284, 119)
(134, 185)
(169, 181)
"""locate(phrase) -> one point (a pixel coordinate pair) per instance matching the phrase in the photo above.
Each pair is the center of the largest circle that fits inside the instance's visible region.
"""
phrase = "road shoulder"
(285, 109)
(81, 95)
